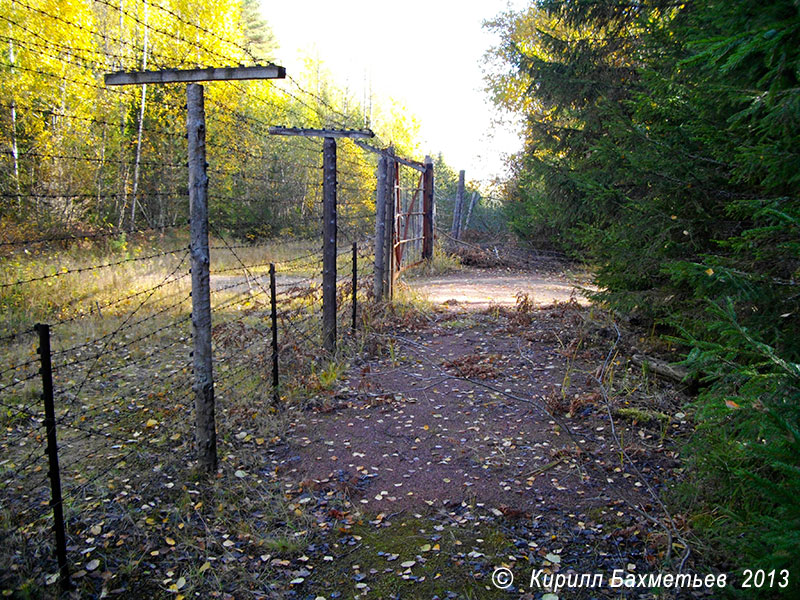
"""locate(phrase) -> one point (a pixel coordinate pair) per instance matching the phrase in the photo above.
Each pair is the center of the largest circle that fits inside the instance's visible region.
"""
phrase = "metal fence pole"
(355, 286)
(329, 245)
(273, 301)
(52, 454)
(205, 431)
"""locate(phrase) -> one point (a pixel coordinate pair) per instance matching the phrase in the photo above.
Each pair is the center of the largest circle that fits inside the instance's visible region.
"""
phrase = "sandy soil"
(480, 288)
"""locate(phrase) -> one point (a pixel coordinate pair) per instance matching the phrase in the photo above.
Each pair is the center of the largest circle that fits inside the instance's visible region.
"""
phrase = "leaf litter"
(457, 470)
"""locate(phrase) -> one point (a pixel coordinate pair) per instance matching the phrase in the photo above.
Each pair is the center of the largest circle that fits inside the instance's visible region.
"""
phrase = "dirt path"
(488, 422)
(474, 288)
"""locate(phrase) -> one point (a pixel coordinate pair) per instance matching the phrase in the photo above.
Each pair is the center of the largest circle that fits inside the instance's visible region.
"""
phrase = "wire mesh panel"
(409, 218)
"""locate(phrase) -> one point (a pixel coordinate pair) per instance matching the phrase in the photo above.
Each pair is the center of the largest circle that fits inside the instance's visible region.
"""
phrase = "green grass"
(443, 262)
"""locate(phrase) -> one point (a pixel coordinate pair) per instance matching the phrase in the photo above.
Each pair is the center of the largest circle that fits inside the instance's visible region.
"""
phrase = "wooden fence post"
(391, 225)
(205, 423)
(427, 209)
(455, 230)
(472, 203)
(329, 245)
(380, 228)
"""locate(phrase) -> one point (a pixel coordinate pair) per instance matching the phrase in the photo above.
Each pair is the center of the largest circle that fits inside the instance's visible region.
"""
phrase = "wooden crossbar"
(194, 75)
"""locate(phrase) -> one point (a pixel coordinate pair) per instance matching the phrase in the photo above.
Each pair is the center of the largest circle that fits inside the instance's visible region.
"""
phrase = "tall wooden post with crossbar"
(329, 226)
(205, 420)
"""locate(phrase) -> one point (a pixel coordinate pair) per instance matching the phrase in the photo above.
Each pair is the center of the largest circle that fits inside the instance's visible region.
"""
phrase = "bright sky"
(427, 54)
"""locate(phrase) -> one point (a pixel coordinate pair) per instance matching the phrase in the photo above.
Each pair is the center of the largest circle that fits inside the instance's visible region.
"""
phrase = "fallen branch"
(661, 368)
(544, 468)
(670, 527)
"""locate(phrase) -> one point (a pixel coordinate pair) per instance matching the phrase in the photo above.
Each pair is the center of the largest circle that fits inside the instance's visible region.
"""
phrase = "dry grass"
(140, 518)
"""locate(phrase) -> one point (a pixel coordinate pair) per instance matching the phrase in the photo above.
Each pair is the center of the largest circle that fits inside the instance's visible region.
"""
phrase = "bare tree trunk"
(121, 203)
(99, 174)
(14, 148)
(141, 124)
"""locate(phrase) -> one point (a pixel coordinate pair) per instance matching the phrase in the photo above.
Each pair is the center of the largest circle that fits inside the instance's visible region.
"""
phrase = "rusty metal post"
(54, 473)
(355, 286)
(329, 245)
(273, 302)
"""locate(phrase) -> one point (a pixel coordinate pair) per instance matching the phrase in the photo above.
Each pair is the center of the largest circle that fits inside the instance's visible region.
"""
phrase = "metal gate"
(412, 215)
(405, 214)
(408, 220)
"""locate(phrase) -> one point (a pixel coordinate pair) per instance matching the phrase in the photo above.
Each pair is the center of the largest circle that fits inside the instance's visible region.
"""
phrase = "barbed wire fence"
(97, 371)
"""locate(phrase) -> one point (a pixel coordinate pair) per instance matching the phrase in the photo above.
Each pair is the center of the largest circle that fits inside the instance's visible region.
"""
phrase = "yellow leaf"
(151, 423)
(170, 541)
(709, 271)
(206, 566)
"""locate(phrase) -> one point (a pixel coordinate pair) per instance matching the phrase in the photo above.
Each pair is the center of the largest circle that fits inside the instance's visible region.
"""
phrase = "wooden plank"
(403, 161)
(328, 133)
(194, 75)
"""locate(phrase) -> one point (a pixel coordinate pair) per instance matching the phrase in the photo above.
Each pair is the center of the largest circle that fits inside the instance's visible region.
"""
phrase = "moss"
(640, 415)
(440, 552)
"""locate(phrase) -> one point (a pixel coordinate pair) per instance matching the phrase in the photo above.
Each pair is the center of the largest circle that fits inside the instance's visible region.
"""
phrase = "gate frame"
(388, 242)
